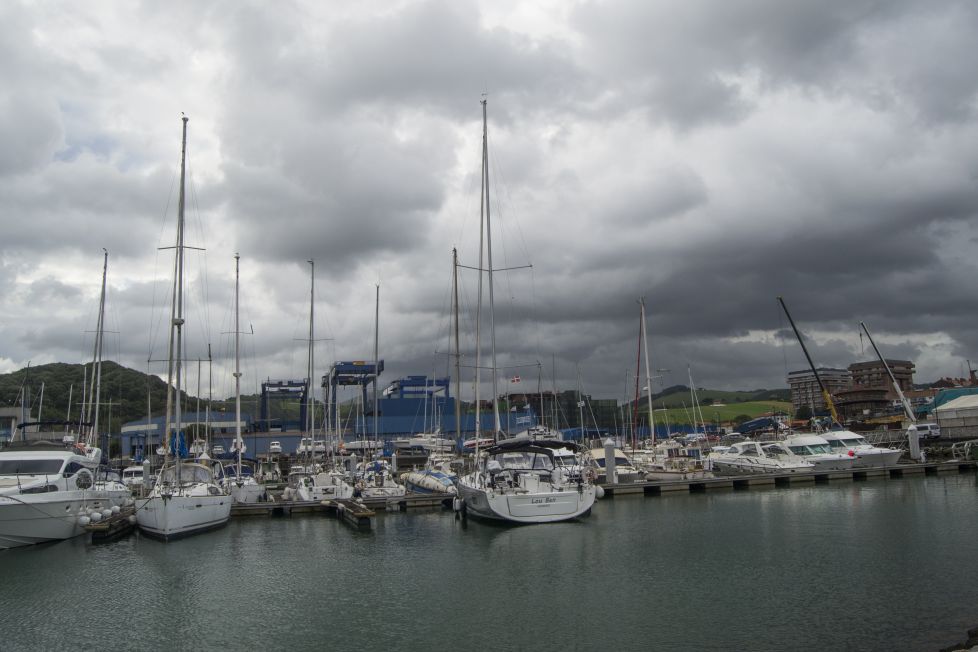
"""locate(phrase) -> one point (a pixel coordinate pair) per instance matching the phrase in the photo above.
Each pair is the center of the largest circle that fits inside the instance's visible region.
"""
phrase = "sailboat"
(516, 480)
(374, 478)
(49, 491)
(311, 482)
(186, 498)
(239, 477)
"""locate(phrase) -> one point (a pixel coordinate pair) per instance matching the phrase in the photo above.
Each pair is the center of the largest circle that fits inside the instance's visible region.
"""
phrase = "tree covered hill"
(123, 395)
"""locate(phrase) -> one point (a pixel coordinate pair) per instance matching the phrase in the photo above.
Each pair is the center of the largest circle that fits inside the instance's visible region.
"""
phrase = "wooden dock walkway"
(114, 527)
(664, 487)
(351, 512)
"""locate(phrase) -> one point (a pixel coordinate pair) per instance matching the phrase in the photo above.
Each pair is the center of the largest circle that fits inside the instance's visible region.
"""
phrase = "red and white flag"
(514, 379)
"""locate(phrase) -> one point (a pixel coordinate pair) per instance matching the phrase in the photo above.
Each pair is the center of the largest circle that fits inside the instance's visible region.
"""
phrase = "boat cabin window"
(30, 467)
(231, 470)
(837, 444)
(189, 474)
(567, 459)
(132, 473)
(811, 449)
(524, 460)
(750, 449)
(853, 442)
(72, 468)
(775, 449)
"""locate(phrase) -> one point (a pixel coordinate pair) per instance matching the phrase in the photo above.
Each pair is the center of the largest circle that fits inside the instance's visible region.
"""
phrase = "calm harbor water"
(874, 565)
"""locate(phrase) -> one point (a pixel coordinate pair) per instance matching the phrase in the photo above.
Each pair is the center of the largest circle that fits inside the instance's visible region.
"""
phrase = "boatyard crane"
(825, 393)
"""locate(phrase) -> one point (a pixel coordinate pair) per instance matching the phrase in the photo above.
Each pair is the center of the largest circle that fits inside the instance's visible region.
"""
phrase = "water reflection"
(866, 565)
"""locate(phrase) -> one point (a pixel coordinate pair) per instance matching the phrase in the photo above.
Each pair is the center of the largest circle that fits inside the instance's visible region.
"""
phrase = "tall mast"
(903, 399)
(310, 400)
(175, 352)
(478, 305)
(238, 443)
(492, 318)
(825, 393)
(376, 359)
(648, 374)
(638, 363)
(458, 364)
(696, 401)
(210, 397)
(96, 385)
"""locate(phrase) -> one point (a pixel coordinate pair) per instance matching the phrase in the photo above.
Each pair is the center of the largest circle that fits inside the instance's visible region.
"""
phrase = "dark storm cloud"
(706, 156)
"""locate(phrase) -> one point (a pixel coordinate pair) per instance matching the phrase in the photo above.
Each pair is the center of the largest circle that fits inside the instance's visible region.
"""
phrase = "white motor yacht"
(132, 477)
(748, 458)
(625, 471)
(517, 480)
(671, 460)
(304, 485)
(809, 448)
(49, 492)
(429, 442)
(864, 454)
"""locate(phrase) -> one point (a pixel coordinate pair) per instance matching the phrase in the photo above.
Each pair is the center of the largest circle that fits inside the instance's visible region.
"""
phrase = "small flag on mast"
(514, 379)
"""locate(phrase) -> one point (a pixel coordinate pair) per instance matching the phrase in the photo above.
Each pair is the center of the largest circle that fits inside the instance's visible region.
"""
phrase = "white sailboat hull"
(26, 519)
(541, 507)
(182, 515)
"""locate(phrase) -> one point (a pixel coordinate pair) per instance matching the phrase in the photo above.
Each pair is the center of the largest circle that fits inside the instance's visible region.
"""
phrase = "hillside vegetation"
(124, 397)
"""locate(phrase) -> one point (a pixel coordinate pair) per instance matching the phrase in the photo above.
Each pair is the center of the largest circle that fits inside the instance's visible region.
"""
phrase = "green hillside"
(123, 392)
(678, 395)
(726, 413)
(126, 389)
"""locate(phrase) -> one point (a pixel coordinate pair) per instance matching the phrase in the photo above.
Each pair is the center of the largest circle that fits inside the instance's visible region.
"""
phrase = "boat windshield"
(838, 444)
(566, 459)
(30, 467)
(811, 449)
(524, 460)
(858, 441)
(749, 449)
(189, 474)
(231, 470)
(620, 460)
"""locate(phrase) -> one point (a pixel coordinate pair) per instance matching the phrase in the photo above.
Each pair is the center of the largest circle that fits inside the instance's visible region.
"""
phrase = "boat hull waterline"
(180, 516)
(545, 507)
(28, 519)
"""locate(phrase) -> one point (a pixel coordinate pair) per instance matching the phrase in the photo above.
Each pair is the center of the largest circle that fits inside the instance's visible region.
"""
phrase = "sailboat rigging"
(516, 480)
(186, 498)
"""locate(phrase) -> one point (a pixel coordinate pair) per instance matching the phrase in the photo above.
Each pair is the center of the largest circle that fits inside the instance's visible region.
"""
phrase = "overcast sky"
(708, 156)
